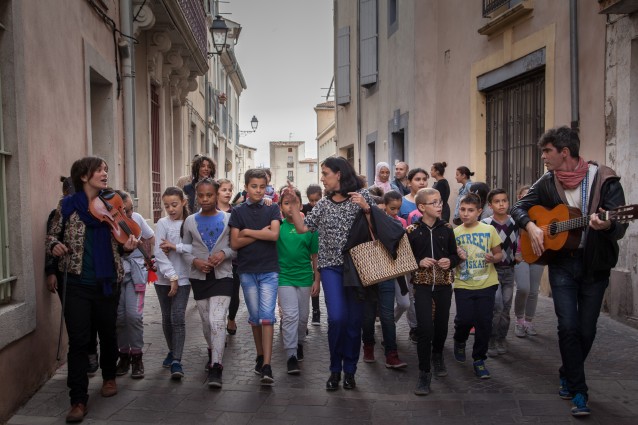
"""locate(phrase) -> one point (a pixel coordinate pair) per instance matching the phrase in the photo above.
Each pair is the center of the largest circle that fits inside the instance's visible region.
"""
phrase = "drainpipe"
(359, 141)
(573, 56)
(127, 52)
(209, 148)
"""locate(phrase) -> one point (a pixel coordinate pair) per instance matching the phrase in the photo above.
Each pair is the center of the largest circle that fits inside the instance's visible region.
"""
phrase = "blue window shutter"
(342, 85)
(368, 25)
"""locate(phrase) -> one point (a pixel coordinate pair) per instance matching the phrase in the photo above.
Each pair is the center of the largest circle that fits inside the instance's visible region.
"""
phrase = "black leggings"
(234, 299)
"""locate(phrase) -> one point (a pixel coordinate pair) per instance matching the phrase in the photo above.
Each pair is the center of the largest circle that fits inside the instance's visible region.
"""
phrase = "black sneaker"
(423, 384)
(267, 379)
(123, 364)
(259, 363)
(316, 317)
(215, 376)
(439, 364)
(348, 381)
(299, 353)
(94, 364)
(459, 351)
(413, 336)
(293, 366)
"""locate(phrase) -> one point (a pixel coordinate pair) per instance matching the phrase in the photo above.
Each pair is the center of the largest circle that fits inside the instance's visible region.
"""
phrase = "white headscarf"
(377, 182)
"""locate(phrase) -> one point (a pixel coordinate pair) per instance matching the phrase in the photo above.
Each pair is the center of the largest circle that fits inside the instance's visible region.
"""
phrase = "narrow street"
(523, 388)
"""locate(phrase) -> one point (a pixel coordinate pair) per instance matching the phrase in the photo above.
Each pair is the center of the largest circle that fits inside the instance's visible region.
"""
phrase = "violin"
(108, 207)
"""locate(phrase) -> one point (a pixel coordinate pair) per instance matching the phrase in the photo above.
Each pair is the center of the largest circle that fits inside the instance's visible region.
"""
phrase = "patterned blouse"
(333, 221)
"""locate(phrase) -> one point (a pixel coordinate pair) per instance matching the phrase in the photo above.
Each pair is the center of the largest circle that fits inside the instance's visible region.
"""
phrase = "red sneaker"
(368, 353)
(393, 361)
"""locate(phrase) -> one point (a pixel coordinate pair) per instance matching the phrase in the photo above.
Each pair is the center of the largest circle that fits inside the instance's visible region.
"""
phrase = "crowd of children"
(281, 253)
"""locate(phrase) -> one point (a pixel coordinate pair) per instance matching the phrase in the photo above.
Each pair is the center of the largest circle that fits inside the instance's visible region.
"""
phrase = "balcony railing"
(490, 6)
(195, 15)
(290, 165)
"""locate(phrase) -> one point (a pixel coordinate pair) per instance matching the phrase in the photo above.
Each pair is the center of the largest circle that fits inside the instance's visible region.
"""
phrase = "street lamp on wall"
(219, 31)
(254, 122)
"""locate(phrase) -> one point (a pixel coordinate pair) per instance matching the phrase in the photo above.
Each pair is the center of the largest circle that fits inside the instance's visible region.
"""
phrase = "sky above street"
(285, 51)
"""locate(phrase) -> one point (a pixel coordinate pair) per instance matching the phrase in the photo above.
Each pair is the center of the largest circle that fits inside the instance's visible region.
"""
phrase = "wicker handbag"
(374, 263)
(433, 275)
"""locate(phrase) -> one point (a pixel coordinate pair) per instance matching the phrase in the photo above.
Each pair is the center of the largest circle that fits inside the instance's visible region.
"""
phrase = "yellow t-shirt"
(475, 273)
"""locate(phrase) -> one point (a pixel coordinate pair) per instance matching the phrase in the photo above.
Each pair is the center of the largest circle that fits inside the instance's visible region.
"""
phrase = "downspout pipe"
(127, 54)
(207, 113)
(573, 59)
(359, 139)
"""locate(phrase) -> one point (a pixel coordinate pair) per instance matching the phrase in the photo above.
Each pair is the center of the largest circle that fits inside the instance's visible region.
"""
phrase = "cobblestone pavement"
(523, 388)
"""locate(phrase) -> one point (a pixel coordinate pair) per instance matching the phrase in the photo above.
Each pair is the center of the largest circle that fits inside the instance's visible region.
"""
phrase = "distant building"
(288, 162)
(244, 160)
(326, 130)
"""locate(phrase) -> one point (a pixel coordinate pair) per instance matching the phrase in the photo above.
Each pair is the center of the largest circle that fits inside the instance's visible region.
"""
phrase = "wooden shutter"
(368, 43)
(342, 85)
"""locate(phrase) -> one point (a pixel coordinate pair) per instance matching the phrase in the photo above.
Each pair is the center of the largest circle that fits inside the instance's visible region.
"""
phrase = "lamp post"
(219, 31)
(254, 122)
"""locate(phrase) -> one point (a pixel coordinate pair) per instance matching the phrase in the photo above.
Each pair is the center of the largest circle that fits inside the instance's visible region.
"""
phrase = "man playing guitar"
(578, 277)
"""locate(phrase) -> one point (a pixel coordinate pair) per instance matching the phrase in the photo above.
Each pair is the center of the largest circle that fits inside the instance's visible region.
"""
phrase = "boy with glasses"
(434, 248)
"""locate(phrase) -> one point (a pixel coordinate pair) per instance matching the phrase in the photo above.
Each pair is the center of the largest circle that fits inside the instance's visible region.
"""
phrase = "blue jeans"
(345, 314)
(577, 302)
(503, 302)
(174, 317)
(385, 301)
(260, 294)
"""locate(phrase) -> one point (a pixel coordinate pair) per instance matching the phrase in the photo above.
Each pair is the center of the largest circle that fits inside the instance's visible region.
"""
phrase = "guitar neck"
(574, 223)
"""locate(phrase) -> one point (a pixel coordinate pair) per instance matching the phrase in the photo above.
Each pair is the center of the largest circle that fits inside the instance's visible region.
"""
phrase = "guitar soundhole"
(553, 229)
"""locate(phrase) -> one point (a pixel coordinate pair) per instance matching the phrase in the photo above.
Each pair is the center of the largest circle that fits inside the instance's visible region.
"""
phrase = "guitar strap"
(584, 185)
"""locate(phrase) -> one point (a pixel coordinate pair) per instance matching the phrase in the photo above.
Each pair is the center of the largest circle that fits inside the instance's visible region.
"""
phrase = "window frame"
(6, 278)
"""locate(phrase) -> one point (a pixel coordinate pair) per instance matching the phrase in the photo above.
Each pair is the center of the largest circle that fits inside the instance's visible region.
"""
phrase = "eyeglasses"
(434, 204)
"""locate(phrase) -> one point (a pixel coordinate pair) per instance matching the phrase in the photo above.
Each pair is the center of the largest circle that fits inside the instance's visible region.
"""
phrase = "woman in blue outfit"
(333, 217)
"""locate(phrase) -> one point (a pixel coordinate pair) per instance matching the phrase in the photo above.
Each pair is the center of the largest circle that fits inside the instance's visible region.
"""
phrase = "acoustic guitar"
(563, 227)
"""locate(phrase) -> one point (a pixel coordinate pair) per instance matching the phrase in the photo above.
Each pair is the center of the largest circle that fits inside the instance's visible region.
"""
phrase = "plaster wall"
(429, 71)
(45, 61)
(621, 146)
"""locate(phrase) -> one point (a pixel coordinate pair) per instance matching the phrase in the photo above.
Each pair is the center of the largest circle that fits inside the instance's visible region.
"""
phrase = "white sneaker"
(529, 329)
(519, 330)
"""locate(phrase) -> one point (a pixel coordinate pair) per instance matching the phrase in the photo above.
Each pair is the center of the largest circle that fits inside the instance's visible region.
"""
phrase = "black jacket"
(437, 242)
(601, 246)
(386, 229)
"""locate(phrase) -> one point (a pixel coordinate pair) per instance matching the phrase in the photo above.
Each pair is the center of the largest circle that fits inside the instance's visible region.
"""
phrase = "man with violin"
(85, 235)
(579, 271)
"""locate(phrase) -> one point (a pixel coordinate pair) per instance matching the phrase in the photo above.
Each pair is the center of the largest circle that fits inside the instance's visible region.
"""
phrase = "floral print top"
(333, 221)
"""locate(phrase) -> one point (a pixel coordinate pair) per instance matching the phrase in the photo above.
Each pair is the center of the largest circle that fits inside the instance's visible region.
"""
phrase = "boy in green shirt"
(298, 280)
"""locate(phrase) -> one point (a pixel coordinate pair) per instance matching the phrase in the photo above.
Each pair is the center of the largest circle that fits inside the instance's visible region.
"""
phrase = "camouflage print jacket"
(73, 238)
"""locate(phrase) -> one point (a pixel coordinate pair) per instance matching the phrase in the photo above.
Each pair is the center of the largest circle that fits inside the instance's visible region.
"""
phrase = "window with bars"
(515, 122)
(6, 279)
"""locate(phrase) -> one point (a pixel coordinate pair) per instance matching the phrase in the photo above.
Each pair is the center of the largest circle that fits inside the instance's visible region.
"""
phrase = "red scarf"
(571, 179)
